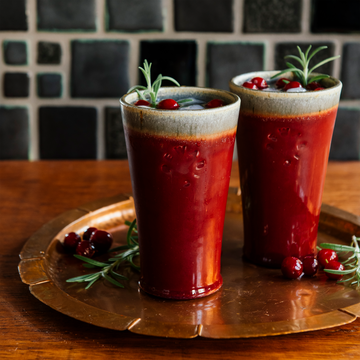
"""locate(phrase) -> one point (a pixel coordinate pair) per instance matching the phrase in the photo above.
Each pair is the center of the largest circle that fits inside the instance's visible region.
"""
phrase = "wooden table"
(31, 194)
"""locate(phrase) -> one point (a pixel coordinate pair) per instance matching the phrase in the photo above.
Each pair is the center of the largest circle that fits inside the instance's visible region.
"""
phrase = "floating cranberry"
(325, 256)
(334, 265)
(86, 249)
(282, 82)
(310, 265)
(292, 85)
(71, 241)
(292, 267)
(259, 82)
(313, 85)
(319, 88)
(214, 103)
(250, 85)
(88, 232)
(168, 104)
(101, 240)
(142, 103)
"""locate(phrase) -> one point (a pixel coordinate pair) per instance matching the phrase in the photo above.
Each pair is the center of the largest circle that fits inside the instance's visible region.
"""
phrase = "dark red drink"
(180, 184)
(283, 144)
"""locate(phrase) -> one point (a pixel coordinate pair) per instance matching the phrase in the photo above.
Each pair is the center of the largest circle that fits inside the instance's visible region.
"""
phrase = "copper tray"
(253, 301)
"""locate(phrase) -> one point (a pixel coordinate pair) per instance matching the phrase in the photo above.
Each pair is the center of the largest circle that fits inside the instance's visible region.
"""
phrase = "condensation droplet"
(168, 156)
(287, 162)
(186, 184)
(200, 165)
(284, 131)
(196, 176)
(180, 149)
(272, 137)
(166, 169)
(197, 153)
(296, 157)
(302, 145)
(269, 147)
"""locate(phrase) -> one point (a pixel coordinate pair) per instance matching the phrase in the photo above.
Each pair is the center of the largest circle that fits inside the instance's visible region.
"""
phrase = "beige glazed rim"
(284, 103)
(189, 123)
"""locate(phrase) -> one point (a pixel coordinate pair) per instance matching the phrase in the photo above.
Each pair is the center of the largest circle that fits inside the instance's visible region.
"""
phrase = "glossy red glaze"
(334, 265)
(180, 189)
(250, 85)
(325, 256)
(282, 161)
(292, 267)
(259, 82)
(292, 85)
(214, 103)
(281, 83)
(168, 104)
(142, 103)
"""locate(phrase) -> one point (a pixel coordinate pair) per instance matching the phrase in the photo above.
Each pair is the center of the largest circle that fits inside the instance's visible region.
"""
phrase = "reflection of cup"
(283, 146)
(180, 163)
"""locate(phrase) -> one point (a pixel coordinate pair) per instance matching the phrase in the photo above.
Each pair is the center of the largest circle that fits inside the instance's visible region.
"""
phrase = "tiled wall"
(65, 63)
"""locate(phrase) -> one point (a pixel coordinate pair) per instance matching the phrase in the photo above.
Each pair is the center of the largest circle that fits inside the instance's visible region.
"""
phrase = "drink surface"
(282, 163)
(180, 189)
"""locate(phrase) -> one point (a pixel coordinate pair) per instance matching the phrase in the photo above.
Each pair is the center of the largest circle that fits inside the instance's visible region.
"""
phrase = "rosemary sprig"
(304, 60)
(152, 89)
(109, 268)
(352, 263)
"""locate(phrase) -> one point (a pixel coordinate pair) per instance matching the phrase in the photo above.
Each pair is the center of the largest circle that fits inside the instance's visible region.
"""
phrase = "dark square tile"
(345, 143)
(176, 59)
(335, 16)
(66, 15)
(48, 53)
(49, 85)
(224, 61)
(14, 133)
(114, 134)
(67, 132)
(272, 16)
(203, 15)
(13, 15)
(15, 52)
(134, 15)
(16, 85)
(350, 71)
(283, 49)
(99, 69)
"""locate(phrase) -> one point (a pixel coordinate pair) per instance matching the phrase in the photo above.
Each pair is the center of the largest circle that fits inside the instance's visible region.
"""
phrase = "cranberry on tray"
(85, 248)
(325, 256)
(88, 232)
(334, 265)
(101, 241)
(292, 267)
(310, 265)
(168, 104)
(71, 241)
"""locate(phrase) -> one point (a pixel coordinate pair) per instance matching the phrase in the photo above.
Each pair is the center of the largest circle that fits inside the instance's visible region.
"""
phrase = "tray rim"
(32, 271)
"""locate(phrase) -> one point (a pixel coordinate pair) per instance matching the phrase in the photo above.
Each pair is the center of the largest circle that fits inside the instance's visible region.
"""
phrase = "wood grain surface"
(31, 194)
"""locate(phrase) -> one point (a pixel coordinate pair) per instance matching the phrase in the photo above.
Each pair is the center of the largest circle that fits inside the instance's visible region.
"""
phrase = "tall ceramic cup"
(283, 144)
(180, 164)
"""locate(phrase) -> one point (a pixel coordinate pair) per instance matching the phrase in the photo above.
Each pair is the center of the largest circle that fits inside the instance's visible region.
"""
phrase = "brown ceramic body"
(283, 147)
(180, 163)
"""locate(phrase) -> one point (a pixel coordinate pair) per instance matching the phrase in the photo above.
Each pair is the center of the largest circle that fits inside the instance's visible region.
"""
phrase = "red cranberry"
(71, 241)
(313, 85)
(310, 265)
(142, 103)
(292, 85)
(250, 85)
(259, 82)
(319, 88)
(168, 104)
(281, 83)
(214, 103)
(85, 249)
(292, 267)
(325, 256)
(88, 232)
(101, 240)
(334, 265)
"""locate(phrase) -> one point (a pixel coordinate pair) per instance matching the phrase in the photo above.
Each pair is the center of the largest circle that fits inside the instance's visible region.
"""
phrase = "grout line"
(306, 17)
(238, 13)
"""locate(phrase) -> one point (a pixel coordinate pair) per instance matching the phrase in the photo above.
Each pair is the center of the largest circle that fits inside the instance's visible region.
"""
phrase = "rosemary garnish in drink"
(152, 89)
(304, 59)
(109, 268)
(352, 263)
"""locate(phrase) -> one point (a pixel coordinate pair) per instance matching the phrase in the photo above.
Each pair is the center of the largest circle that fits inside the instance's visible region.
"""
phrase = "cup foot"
(182, 295)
